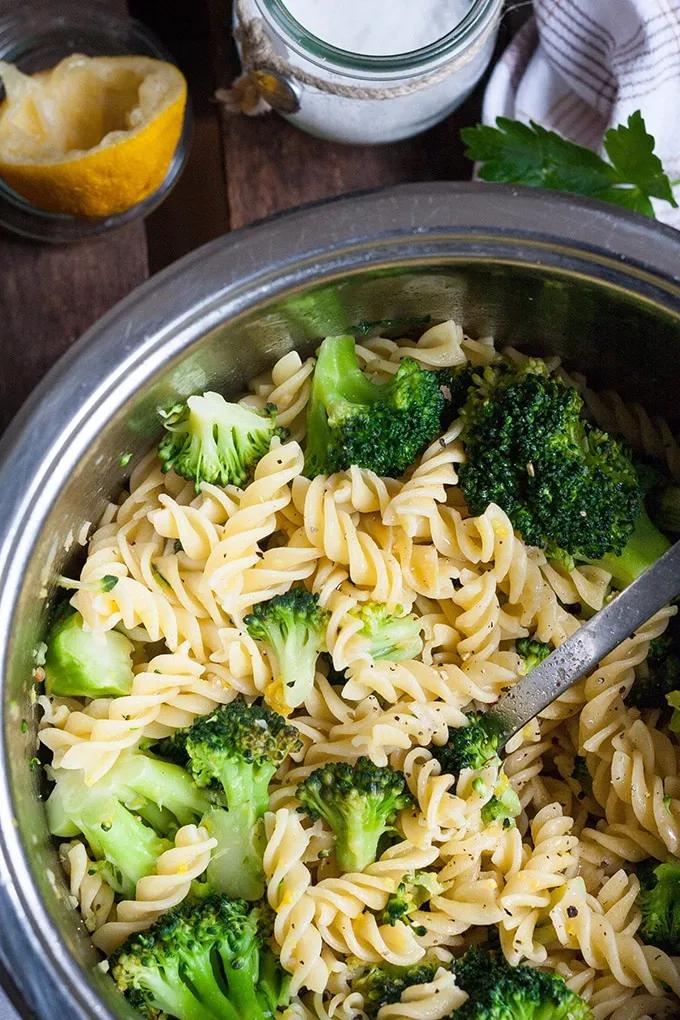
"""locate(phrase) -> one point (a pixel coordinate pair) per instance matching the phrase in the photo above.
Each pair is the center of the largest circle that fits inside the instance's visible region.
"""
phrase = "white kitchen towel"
(581, 66)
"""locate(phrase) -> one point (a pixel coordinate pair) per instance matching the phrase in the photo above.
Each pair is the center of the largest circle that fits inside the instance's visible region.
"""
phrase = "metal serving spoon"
(580, 653)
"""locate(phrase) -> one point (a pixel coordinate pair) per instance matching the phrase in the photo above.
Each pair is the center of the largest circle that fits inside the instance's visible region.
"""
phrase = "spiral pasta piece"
(643, 759)
(237, 550)
(334, 530)
(195, 527)
(350, 895)
(176, 869)
(275, 573)
(433, 1000)
(166, 695)
(288, 387)
(443, 345)
(376, 733)
(605, 714)
(288, 884)
(90, 891)
(527, 892)
(240, 662)
(578, 926)
(415, 507)
(438, 810)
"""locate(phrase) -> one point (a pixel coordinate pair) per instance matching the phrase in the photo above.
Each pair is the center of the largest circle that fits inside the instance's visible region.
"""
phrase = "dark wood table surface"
(240, 169)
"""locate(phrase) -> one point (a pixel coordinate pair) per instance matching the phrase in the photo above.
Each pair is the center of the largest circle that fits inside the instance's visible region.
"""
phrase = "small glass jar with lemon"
(94, 123)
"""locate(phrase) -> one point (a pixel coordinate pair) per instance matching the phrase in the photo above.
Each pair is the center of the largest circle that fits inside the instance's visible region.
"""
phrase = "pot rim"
(420, 224)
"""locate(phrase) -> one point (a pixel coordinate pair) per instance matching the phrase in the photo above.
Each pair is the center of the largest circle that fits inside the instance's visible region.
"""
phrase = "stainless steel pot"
(545, 272)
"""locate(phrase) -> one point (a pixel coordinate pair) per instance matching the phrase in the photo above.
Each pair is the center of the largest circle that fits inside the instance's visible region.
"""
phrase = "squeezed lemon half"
(94, 135)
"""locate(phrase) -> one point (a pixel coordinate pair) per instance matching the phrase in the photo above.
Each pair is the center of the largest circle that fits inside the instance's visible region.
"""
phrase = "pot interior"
(622, 335)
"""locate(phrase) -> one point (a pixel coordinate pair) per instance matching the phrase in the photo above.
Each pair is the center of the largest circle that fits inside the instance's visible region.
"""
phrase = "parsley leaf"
(631, 151)
(517, 153)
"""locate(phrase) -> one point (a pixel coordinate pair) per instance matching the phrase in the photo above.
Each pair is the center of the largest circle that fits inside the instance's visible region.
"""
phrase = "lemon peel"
(93, 136)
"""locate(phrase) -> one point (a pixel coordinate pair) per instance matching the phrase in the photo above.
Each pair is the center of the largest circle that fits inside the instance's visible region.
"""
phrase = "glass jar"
(37, 37)
(355, 98)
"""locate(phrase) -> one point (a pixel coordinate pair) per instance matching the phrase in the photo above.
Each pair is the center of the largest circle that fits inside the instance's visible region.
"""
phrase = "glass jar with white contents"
(365, 71)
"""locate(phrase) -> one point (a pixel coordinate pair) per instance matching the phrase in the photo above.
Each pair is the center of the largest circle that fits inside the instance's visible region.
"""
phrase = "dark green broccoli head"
(211, 440)
(561, 482)
(498, 991)
(293, 627)
(353, 420)
(204, 960)
(239, 736)
(532, 653)
(567, 487)
(470, 746)
(392, 634)
(381, 985)
(664, 506)
(454, 384)
(414, 890)
(659, 674)
(237, 750)
(360, 804)
(659, 903)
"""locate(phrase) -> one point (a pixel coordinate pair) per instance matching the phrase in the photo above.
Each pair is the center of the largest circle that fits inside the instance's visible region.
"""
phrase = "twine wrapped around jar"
(268, 80)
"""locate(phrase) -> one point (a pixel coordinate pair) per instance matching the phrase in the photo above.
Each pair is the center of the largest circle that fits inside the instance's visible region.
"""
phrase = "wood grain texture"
(196, 210)
(271, 166)
(50, 294)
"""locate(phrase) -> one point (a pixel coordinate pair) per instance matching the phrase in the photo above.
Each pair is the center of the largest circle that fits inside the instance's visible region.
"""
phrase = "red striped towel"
(581, 66)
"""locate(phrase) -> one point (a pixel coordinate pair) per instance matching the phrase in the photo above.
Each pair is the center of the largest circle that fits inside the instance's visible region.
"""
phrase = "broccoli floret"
(659, 903)
(454, 384)
(497, 991)
(673, 700)
(664, 506)
(359, 803)
(471, 746)
(413, 891)
(237, 749)
(532, 653)
(211, 440)
(82, 663)
(643, 548)
(129, 816)
(380, 426)
(381, 985)
(659, 674)
(566, 486)
(504, 803)
(294, 628)
(205, 960)
(393, 635)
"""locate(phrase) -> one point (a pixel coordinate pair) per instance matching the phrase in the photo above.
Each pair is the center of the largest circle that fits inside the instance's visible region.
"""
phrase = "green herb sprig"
(517, 153)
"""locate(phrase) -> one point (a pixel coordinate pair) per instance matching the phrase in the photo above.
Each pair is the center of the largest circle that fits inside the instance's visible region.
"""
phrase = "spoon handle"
(580, 653)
